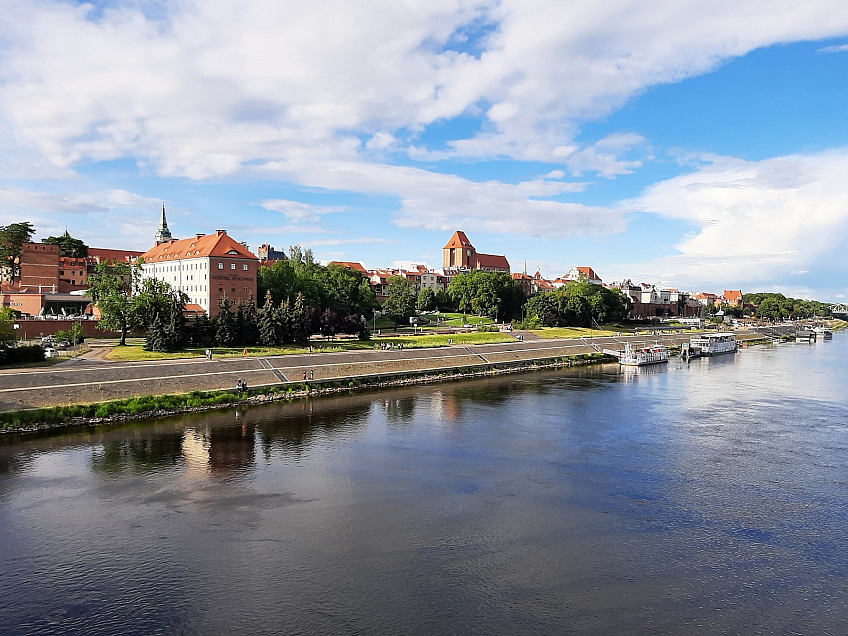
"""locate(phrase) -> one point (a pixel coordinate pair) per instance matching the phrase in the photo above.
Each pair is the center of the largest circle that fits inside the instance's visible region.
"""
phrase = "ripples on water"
(693, 499)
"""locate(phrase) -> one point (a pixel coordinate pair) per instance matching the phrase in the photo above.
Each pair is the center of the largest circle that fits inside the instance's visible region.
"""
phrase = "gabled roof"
(99, 254)
(492, 261)
(217, 244)
(734, 295)
(458, 240)
(350, 265)
(588, 272)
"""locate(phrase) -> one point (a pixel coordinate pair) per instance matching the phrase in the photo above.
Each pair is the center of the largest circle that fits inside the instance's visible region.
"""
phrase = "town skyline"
(698, 147)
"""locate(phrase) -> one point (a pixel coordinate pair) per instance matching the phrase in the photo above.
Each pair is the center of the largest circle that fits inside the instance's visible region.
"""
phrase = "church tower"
(163, 234)
(459, 253)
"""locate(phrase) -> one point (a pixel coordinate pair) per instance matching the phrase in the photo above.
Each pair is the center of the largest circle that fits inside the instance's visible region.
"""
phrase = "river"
(700, 498)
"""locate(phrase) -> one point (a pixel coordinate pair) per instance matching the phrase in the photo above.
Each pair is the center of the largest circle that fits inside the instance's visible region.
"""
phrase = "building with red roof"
(460, 254)
(584, 273)
(206, 268)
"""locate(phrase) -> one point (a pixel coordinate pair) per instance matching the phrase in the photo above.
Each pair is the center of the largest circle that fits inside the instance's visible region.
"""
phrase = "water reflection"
(683, 499)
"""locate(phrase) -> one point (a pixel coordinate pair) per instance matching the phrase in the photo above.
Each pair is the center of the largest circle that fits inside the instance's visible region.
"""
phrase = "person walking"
(311, 374)
(304, 375)
(209, 354)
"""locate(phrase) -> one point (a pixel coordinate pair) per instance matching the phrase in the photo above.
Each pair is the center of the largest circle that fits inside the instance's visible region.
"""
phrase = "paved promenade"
(95, 380)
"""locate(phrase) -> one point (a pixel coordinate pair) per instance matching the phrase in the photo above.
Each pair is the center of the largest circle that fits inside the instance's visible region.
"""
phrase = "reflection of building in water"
(196, 450)
(400, 410)
(139, 455)
(631, 374)
(444, 406)
(232, 448)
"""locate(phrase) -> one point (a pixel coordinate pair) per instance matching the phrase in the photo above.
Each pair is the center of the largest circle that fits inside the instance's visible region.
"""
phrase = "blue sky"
(700, 145)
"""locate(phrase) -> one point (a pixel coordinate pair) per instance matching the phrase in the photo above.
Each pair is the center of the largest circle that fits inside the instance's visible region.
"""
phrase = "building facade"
(460, 254)
(206, 268)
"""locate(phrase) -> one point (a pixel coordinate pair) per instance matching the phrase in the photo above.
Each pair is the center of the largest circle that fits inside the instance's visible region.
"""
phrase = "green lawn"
(135, 353)
(572, 332)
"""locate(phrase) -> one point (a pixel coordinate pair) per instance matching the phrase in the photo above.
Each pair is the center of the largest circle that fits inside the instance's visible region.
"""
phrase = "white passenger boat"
(823, 332)
(713, 344)
(640, 356)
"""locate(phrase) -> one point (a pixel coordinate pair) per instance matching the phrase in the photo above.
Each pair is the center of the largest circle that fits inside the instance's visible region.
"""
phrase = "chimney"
(220, 232)
(199, 235)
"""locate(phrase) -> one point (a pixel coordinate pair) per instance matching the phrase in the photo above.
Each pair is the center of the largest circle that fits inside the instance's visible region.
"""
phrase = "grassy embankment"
(135, 352)
(151, 405)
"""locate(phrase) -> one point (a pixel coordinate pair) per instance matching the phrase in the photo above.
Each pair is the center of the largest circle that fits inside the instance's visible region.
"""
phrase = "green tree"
(224, 323)
(68, 245)
(301, 321)
(156, 339)
(111, 287)
(493, 294)
(247, 323)
(426, 300)
(12, 238)
(269, 325)
(401, 299)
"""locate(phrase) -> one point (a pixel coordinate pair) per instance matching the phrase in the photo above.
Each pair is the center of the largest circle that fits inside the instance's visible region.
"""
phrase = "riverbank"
(145, 407)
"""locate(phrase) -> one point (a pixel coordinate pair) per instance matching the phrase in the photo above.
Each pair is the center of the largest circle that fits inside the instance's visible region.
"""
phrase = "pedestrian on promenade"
(304, 375)
(310, 348)
(311, 374)
(244, 353)
(209, 354)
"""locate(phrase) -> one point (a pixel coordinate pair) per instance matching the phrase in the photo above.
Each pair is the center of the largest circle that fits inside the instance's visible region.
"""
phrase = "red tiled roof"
(458, 240)
(217, 244)
(491, 261)
(589, 273)
(734, 295)
(350, 265)
(106, 254)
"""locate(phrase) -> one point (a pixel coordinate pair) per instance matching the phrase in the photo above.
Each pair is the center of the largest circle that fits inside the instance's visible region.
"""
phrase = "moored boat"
(805, 335)
(713, 344)
(823, 332)
(640, 356)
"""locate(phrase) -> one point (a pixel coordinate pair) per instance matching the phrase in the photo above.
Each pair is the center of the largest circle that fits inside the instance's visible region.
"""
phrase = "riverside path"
(98, 381)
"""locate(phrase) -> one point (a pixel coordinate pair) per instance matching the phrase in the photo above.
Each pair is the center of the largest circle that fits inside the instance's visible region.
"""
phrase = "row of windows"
(232, 266)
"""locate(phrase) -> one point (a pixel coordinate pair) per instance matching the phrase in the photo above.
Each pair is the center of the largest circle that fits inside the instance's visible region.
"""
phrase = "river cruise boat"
(805, 335)
(640, 356)
(823, 332)
(713, 344)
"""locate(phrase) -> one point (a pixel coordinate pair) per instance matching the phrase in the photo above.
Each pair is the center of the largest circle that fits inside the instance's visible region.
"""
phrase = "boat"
(713, 344)
(640, 356)
(805, 335)
(823, 332)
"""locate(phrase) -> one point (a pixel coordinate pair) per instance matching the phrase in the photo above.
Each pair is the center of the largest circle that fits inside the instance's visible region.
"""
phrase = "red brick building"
(459, 254)
(206, 268)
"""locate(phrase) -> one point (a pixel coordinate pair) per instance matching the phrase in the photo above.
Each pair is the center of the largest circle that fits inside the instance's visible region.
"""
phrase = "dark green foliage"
(401, 299)
(426, 300)
(68, 245)
(12, 238)
(200, 332)
(578, 305)
(156, 338)
(270, 330)
(74, 335)
(773, 306)
(301, 321)
(226, 329)
(493, 294)
(15, 355)
(247, 323)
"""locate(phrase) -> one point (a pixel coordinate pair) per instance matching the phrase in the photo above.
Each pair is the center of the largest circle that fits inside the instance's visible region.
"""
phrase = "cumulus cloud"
(835, 48)
(757, 220)
(202, 88)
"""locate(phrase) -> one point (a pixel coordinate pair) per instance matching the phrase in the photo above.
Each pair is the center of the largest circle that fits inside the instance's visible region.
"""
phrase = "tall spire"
(163, 234)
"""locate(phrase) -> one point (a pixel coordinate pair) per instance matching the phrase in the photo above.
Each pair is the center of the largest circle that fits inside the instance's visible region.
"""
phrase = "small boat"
(823, 332)
(805, 335)
(640, 356)
(713, 344)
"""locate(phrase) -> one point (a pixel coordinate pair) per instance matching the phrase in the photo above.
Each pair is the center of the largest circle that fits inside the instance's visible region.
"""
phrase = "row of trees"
(578, 305)
(772, 306)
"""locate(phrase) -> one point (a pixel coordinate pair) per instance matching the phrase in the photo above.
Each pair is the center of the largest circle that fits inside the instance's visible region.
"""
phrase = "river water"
(700, 498)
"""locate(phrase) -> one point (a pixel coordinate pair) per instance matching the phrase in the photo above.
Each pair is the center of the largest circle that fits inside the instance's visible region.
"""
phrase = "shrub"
(14, 355)
(531, 322)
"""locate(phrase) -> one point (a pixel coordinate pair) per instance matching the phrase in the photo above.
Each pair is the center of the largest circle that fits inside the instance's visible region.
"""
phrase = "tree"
(68, 245)
(110, 288)
(330, 323)
(426, 300)
(301, 321)
(493, 294)
(156, 339)
(269, 325)
(400, 303)
(224, 323)
(12, 239)
(247, 323)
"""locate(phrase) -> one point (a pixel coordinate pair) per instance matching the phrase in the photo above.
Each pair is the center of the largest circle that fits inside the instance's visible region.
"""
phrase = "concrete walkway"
(94, 380)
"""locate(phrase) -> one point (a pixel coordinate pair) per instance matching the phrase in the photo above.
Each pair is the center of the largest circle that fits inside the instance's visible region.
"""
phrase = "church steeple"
(163, 234)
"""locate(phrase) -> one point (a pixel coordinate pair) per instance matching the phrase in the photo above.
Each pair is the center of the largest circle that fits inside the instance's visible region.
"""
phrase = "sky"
(701, 145)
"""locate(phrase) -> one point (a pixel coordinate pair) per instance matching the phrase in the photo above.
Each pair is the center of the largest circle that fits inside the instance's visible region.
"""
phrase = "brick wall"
(39, 265)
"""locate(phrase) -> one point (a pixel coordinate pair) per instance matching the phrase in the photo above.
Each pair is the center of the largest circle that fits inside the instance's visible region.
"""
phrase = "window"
(220, 266)
(244, 267)
(232, 265)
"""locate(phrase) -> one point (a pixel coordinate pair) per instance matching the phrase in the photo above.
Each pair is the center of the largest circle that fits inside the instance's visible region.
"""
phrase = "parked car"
(46, 341)
(50, 352)
(62, 345)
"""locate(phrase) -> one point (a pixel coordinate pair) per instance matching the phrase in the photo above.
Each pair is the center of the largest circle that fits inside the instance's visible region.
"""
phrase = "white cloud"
(835, 48)
(297, 211)
(757, 220)
(209, 86)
